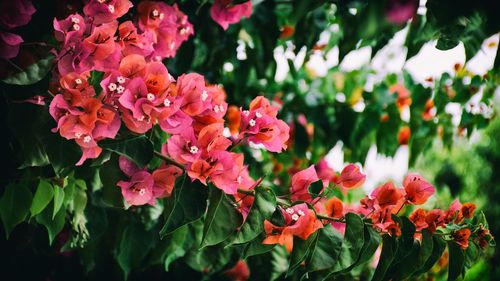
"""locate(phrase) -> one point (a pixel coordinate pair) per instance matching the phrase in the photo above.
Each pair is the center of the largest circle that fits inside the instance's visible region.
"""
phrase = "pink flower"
(101, 43)
(195, 96)
(131, 102)
(227, 176)
(324, 171)
(400, 11)
(301, 182)
(144, 187)
(261, 126)
(72, 58)
(106, 11)
(184, 147)
(71, 28)
(417, 189)
(9, 44)
(169, 26)
(351, 177)
(14, 13)
(132, 42)
(224, 12)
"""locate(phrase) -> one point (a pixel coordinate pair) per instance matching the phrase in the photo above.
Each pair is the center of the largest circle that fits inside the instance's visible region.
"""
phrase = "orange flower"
(468, 210)
(233, 119)
(334, 207)
(418, 219)
(299, 221)
(435, 218)
(461, 237)
(404, 98)
(429, 110)
(404, 135)
(240, 272)
(386, 195)
(287, 31)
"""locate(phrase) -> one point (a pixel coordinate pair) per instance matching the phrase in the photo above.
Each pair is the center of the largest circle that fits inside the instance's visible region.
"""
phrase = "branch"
(169, 160)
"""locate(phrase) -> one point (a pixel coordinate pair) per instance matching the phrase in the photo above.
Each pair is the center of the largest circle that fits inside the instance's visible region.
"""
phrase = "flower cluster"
(137, 90)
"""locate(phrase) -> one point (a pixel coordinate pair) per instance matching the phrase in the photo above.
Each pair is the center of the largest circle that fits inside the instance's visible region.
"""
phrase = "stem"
(168, 160)
(323, 217)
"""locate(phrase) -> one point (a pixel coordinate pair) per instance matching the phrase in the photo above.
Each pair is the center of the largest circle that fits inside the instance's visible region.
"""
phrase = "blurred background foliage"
(350, 107)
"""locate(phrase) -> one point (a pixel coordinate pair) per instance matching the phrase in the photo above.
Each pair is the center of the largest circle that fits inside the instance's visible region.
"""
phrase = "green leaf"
(221, 220)
(389, 248)
(32, 73)
(137, 149)
(179, 241)
(54, 226)
(14, 206)
(42, 197)
(326, 249)
(255, 247)
(315, 188)
(187, 204)
(135, 243)
(437, 251)
(279, 262)
(262, 208)
(301, 250)
(95, 80)
(110, 174)
(456, 261)
(58, 199)
(372, 241)
(352, 244)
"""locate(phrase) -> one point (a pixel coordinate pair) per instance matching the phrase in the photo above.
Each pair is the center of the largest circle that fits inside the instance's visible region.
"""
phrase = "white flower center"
(252, 122)
(78, 135)
(112, 86)
(75, 20)
(87, 139)
(300, 213)
(150, 97)
(78, 81)
(246, 112)
(120, 89)
(141, 118)
(162, 15)
(204, 95)
(76, 27)
(289, 210)
(155, 13)
(258, 114)
(120, 79)
(295, 217)
(111, 8)
(142, 191)
(166, 102)
(193, 149)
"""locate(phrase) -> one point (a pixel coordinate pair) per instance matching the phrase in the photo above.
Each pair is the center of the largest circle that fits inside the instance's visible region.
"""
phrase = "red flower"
(417, 189)
(468, 210)
(334, 208)
(240, 272)
(418, 217)
(435, 218)
(461, 237)
(386, 195)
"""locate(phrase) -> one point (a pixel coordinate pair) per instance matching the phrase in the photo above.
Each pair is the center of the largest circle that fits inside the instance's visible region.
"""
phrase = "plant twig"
(169, 160)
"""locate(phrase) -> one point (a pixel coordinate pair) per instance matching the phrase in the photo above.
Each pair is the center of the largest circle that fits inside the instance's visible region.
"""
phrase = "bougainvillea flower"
(386, 195)
(133, 66)
(9, 44)
(164, 180)
(404, 98)
(139, 190)
(233, 119)
(76, 88)
(324, 171)
(195, 97)
(301, 182)
(417, 189)
(418, 218)
(70, 28)
(224, 12)
(468, 210)
(435, 218)
(131, 42)
(211, 139)
(334, 207)
(73, 58)
(382, 220)
(106, 11)
(15, 13)
(351, 177)
(100, 44)
(404, 135)
(299, 221)
(240, 272)
(226, 177)
(202, 170)
(454, 212)
(429, 110)
(89, 153)
(184, 147)
(461, 237)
